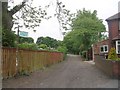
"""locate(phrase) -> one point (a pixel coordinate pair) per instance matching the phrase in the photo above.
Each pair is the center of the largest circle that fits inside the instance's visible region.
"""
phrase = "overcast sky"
(105, 9)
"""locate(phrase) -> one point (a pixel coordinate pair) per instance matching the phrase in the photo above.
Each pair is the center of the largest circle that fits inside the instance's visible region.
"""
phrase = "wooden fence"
(28, 61)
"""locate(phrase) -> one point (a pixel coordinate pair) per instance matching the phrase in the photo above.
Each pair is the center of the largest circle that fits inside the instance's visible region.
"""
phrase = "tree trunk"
(7, 16)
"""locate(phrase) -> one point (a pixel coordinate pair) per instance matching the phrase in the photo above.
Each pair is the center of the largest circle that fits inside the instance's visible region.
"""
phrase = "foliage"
(50, 42)
(31, 46)
(26, 40)
(86, 30)
(28, 13)
(88, 22)
(64, 16)
(112, 54)
(83, 54)
(43, 46)
(8, 38)
(32, 15)
(63, 49)
(73, 41)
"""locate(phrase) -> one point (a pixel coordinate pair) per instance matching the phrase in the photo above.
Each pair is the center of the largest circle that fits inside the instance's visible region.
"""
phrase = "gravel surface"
(71, 73)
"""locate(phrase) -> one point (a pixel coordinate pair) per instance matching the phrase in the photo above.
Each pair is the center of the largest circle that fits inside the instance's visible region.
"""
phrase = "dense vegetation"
(26, 40)
(48, 41)
(8, 38)
(86, 30)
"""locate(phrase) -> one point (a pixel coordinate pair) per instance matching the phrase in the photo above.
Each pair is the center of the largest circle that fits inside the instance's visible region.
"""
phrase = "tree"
(30, 14)
(63, 15)
(72, 42)
(7, 16)
(50, 42)
(86, 30)
(26, 40)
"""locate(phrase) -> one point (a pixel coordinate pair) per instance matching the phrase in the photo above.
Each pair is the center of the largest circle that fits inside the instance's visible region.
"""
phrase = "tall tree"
(86, 30)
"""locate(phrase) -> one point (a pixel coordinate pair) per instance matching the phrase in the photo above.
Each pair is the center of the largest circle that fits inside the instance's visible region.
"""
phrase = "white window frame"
(117, 44)
(103, 46)
(119, 24)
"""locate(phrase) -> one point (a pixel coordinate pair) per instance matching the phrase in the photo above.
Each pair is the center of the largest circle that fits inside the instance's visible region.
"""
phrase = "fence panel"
(26, 61)
(8, 62)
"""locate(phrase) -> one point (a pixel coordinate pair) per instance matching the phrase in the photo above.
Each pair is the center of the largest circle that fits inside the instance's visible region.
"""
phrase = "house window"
(104, 49)
(101, 49)
(118, 47)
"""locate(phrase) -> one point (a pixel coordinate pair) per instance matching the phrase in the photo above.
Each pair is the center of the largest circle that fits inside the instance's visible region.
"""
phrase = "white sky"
(105, 9)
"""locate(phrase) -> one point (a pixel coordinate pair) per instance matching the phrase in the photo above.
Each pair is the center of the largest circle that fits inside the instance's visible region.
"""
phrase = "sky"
(105, 9)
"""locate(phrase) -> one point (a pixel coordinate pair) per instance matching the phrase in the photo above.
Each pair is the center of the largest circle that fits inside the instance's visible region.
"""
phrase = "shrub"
(83, 54)
(8, 38)
(31, 46)
(26, 40)
(43, 46)
(112, 54)
(62, 49)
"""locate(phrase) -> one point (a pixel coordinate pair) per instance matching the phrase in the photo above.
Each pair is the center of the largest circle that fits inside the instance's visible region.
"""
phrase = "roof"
(116, 38)
(116, 16)
(106, 40)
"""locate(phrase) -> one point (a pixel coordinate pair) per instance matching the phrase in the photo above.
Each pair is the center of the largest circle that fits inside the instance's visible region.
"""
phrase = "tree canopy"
(26, 40)
(50, 42)
(86, 30)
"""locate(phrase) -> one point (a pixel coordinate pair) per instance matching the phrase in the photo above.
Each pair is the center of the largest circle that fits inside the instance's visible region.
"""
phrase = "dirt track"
(71, 73)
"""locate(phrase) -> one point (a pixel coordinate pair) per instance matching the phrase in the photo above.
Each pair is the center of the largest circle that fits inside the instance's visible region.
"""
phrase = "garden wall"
(111, 68)
(28, 61)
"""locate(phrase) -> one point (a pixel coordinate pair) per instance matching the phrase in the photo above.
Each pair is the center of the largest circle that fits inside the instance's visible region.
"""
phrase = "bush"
(43, 46)
(31, 46)
(8, 38)
(112, 54)
(26, 40)
(62, 49)
(83, 55)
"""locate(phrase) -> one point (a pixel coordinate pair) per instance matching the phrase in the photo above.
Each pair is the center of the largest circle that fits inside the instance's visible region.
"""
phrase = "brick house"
(103, 47)
(114, 32)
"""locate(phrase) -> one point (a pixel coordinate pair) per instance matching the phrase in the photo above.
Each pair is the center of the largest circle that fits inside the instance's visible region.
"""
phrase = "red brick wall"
(113, 31)
(113, 28)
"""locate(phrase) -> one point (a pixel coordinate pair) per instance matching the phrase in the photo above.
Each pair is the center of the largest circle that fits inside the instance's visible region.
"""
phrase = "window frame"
(119, 25)
(104, 50)
(117, 44)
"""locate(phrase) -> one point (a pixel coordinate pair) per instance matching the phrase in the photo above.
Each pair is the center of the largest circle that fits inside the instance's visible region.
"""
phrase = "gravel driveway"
(71, 73)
